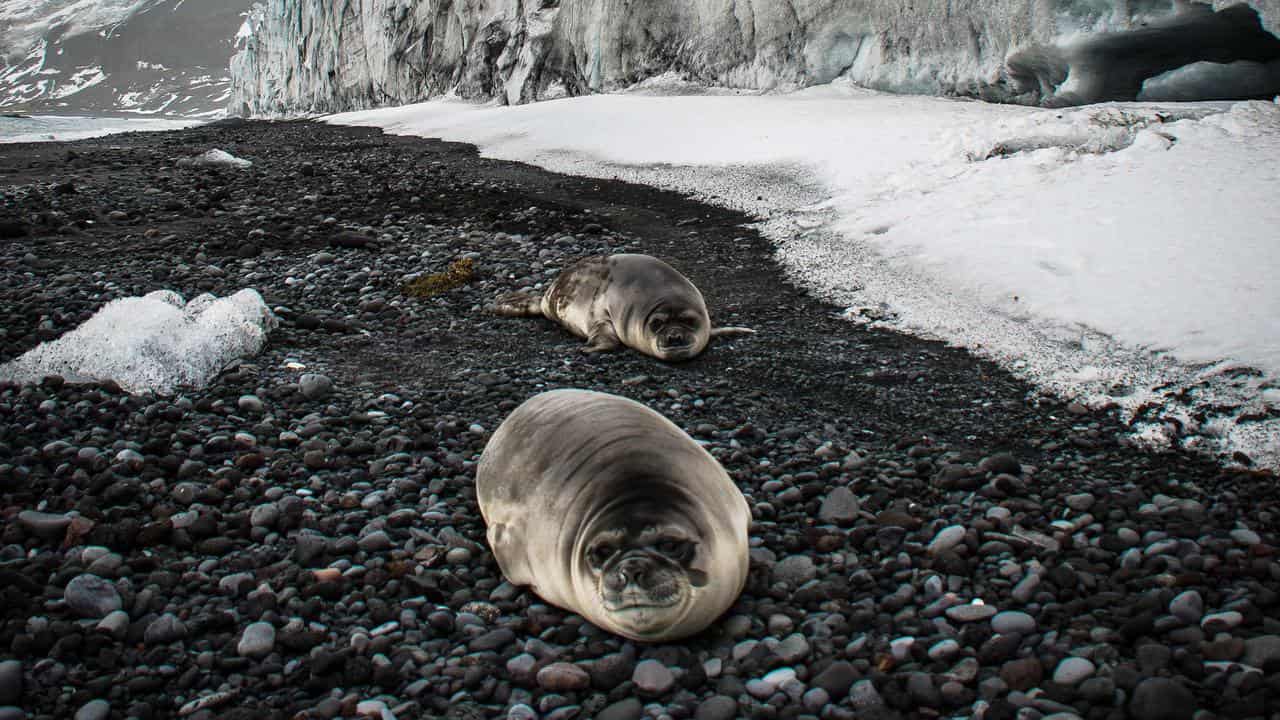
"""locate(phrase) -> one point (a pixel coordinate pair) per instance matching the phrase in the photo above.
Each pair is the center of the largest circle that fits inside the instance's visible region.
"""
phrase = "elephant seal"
(627, 299)
(604, 507)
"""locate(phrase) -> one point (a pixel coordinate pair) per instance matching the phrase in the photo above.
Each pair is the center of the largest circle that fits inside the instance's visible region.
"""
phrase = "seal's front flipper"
(602, 339)
(505, 542)
(518, 304)
(730, 332)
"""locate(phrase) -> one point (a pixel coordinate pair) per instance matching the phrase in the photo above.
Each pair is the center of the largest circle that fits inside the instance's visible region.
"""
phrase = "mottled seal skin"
(604, 507)
(627, 299)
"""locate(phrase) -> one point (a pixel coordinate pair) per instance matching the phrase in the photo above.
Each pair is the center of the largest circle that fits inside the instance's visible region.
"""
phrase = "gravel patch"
(930, 538)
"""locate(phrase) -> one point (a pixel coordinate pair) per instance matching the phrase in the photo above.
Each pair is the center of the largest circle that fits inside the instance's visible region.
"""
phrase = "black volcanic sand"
(274, 546)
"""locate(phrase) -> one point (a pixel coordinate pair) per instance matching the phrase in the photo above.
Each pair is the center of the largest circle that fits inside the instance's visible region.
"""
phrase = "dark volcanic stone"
(1022, 674)
(1001, 464)
(717, 707)
(1161, 698)
(837, 679)
(10, 229)
(629, 709)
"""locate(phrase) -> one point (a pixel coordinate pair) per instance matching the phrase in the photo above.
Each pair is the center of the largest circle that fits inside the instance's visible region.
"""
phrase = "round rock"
(165, 629)
(652, 677)
(1187, 606)
(10, 682)
(795, 570)
(970, 613)
(91, 596)
(1161, 698)
(946, 539)
(840, 506)
(1013, 621)
(94, 710)
(47, 526)
(563, 677)
(258, 640)
(314, 386)
(717, 707)
(1072, 671)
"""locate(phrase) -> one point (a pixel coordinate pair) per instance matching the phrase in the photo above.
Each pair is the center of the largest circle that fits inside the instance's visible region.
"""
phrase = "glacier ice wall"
(311, 56)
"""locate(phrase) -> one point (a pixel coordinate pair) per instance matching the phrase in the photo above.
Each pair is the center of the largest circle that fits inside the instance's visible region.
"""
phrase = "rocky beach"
(300, 539)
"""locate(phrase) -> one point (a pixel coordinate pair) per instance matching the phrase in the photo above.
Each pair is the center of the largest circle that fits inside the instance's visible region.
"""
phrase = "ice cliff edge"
(315, 56)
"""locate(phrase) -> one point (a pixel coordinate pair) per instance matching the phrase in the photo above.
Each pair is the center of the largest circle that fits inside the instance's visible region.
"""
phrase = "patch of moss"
(459, 273)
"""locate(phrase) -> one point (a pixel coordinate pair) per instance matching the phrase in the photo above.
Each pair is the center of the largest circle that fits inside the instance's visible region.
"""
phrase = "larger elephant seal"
(604, 507)
(633, 300)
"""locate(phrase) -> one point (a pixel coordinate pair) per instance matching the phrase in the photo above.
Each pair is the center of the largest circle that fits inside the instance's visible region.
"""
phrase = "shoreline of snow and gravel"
(1116, 255)
(931, 536)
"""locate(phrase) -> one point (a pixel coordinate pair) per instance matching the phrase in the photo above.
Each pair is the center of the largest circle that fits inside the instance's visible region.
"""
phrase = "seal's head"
(643, 567)
(676, 332)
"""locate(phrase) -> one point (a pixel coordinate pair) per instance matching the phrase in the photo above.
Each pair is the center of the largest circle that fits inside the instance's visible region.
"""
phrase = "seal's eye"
(656, 323)
(600, 554)
(679, 550)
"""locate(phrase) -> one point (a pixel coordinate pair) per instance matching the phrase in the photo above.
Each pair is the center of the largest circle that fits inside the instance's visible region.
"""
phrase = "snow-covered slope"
(1122, 255)
(323, 55)
(104, 56)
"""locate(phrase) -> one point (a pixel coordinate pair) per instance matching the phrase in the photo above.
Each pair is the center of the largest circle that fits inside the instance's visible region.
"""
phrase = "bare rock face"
(141, 56)
(311, 56)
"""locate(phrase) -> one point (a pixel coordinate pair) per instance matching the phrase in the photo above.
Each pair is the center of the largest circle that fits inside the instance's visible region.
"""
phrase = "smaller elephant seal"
(605, 508)
(628, 299)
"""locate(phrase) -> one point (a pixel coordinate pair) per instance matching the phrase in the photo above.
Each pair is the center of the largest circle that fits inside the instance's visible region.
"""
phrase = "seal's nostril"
(616, 581)
(631, 572)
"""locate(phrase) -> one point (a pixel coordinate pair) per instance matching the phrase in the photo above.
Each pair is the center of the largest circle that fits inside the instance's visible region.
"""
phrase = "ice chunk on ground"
(157, 342)
(216, 157)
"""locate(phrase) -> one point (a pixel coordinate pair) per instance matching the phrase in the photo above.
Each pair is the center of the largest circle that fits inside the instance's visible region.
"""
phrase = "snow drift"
(157, 342)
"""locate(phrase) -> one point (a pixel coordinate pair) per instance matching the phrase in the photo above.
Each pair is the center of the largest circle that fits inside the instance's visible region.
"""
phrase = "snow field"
(1122, 255)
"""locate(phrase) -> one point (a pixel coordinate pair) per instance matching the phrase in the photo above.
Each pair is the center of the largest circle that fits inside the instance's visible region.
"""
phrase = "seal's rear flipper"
(730, 332)
(518, 304)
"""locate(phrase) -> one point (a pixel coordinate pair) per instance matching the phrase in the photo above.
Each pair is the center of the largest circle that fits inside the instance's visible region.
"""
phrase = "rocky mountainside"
(326, 55)
(137, 56)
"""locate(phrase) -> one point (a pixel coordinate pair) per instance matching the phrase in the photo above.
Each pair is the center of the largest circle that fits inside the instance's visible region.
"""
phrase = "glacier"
(316, 56)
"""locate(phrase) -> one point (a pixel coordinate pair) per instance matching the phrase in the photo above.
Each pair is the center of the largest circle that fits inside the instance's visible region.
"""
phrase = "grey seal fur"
(625, 299)
(604, 507)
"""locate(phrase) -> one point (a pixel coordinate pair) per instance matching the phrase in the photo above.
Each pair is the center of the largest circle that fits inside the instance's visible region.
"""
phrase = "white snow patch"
(1121, 254)
(80, 80)
(27, 19)
(156, 342)
(217, 157)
